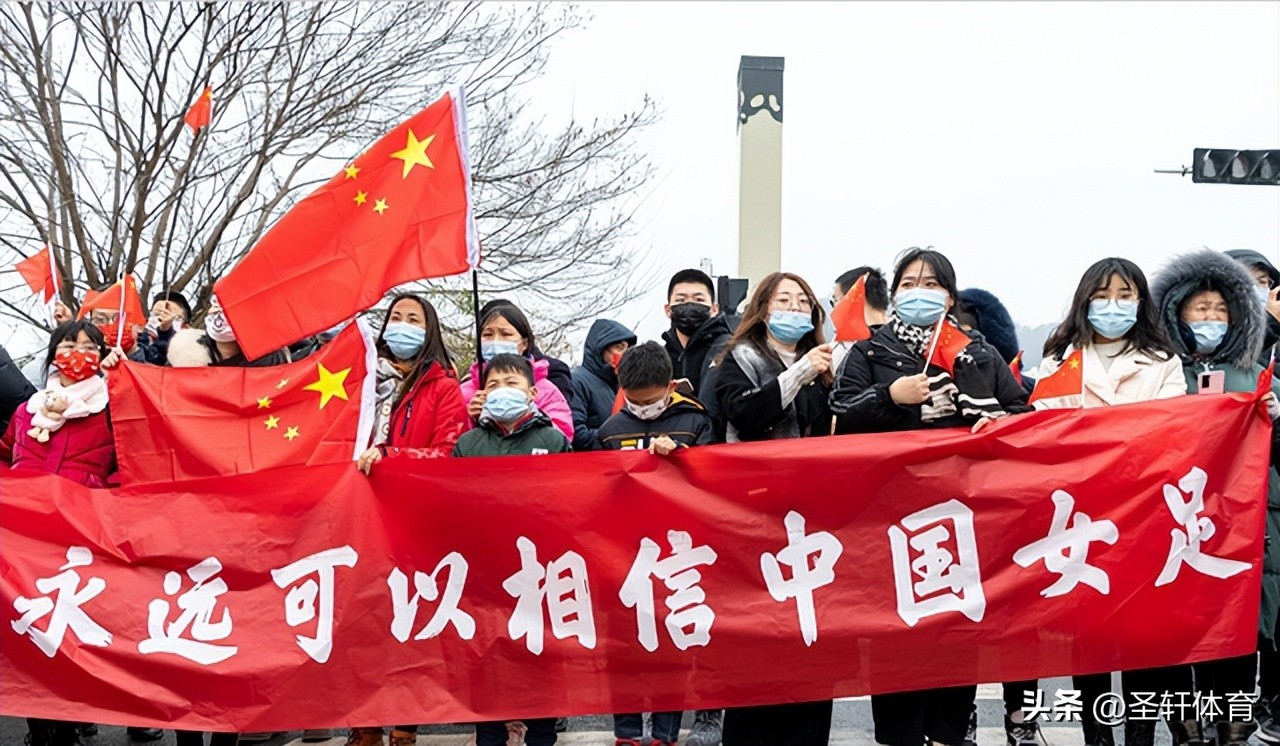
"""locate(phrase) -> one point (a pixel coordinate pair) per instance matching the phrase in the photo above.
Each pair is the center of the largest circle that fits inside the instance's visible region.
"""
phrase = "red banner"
(455, 590)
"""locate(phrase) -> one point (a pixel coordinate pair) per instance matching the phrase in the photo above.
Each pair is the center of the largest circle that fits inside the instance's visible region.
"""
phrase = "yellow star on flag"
(290, 434)
(329, 384)
(414, 154)
(351, 171)
(380, 206)
(273, 422)
(361, 198)
(1074, 363)
(264, 403)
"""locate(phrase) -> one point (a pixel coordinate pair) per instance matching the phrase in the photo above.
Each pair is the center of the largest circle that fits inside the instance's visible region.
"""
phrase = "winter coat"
(692, 360)
(861, 400)
(1237, 357)
(534, 435)
(1133, 377)
(430, 417)
(156, 351)
(559, 374)
(546, 396)
(994, 321)
(753, 405)
(81, 450)
(14, 388)
(1272, 337)
(595, 384)
(684, 420)
(696, 362)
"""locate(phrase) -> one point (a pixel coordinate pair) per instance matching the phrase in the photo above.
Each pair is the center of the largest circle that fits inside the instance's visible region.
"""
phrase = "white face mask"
(216, 326)
(648, 412)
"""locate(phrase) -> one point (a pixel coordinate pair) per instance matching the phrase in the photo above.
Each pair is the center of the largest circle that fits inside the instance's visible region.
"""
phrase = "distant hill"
(1031, 340)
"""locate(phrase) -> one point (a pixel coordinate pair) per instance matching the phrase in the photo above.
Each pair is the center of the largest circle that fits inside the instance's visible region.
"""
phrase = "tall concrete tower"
(760, 169)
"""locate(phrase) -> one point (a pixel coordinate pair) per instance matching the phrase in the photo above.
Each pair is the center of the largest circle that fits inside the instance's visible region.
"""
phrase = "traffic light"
(1221, 166)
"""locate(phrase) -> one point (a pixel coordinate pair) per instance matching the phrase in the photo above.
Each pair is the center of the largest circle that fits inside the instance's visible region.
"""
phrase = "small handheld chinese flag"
(38, 272)
(171, 424)
(398, 213)
(201, 112)
(1067, 380)
(1264, 378)
(948, 342)
(850, 314)
(110, 300)
(1015, 367)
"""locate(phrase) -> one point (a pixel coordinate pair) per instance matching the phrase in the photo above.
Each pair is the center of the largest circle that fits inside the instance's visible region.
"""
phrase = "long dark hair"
(935, 260)
(71, 330)
(1147, 335)
(433, 347)
(755, 320)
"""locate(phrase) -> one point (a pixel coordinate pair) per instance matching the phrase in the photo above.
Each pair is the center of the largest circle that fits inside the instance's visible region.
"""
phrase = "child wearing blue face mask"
(1125, 353)
(510, 423)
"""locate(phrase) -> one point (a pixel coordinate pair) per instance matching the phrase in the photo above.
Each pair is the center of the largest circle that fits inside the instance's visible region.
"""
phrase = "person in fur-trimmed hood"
(1207, 303)
(1209, 306)
(216, 345)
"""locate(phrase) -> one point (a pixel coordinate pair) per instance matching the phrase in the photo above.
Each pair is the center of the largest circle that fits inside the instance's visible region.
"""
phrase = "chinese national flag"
(398, 213)
(1067, 380)
(109, 300)
(37, 270)
(1015, 367)
(201, 112)
(850, 315)
(950, 342)
(172, 424)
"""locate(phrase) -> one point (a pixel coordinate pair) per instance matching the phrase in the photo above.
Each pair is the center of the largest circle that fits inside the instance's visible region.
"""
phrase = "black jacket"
(15, 389)
(692, 360)
(685, 421)
(755, 411)
(595, 385)
(861, 400)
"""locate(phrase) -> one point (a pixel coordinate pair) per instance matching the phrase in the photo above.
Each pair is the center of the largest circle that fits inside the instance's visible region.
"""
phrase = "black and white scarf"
(968, 394)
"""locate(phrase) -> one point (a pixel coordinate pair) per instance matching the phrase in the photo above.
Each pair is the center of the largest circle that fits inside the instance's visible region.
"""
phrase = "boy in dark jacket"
(510, 425)
(655, 417)
(658, 419)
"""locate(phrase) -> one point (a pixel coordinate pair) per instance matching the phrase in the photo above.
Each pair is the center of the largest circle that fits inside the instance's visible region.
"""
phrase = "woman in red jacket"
(81, 448)
(421, 414)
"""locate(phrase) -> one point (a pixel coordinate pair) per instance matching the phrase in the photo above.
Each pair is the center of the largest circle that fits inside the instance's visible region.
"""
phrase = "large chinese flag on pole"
(398, 213)
(171, 424)
(38, 272)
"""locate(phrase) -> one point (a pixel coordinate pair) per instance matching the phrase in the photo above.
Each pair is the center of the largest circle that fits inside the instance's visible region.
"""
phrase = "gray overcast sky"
(1018, 138)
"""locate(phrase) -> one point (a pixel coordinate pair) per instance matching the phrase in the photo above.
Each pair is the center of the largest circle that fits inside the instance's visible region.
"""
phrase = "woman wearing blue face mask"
(1127, 357)
(1208, 304)
(776, 369)
(884, 386)
(771, 382)
(419, 405)
(1126, 354)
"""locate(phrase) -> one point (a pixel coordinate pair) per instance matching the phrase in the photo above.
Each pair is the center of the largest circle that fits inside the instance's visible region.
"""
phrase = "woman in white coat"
(1127, 357)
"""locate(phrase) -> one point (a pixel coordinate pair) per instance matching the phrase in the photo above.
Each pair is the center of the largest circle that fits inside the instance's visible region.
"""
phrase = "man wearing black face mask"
(698, 329)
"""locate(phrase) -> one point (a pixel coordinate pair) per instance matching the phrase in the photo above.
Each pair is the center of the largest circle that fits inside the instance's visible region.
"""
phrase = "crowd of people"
(1208, 322)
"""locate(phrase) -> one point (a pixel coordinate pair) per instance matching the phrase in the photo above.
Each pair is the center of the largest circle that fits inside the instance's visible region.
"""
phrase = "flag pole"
(120, 319)
(475, 310)
(57, 286)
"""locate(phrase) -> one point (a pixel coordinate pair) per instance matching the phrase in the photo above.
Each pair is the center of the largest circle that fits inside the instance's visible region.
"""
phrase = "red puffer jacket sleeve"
(430, 419)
